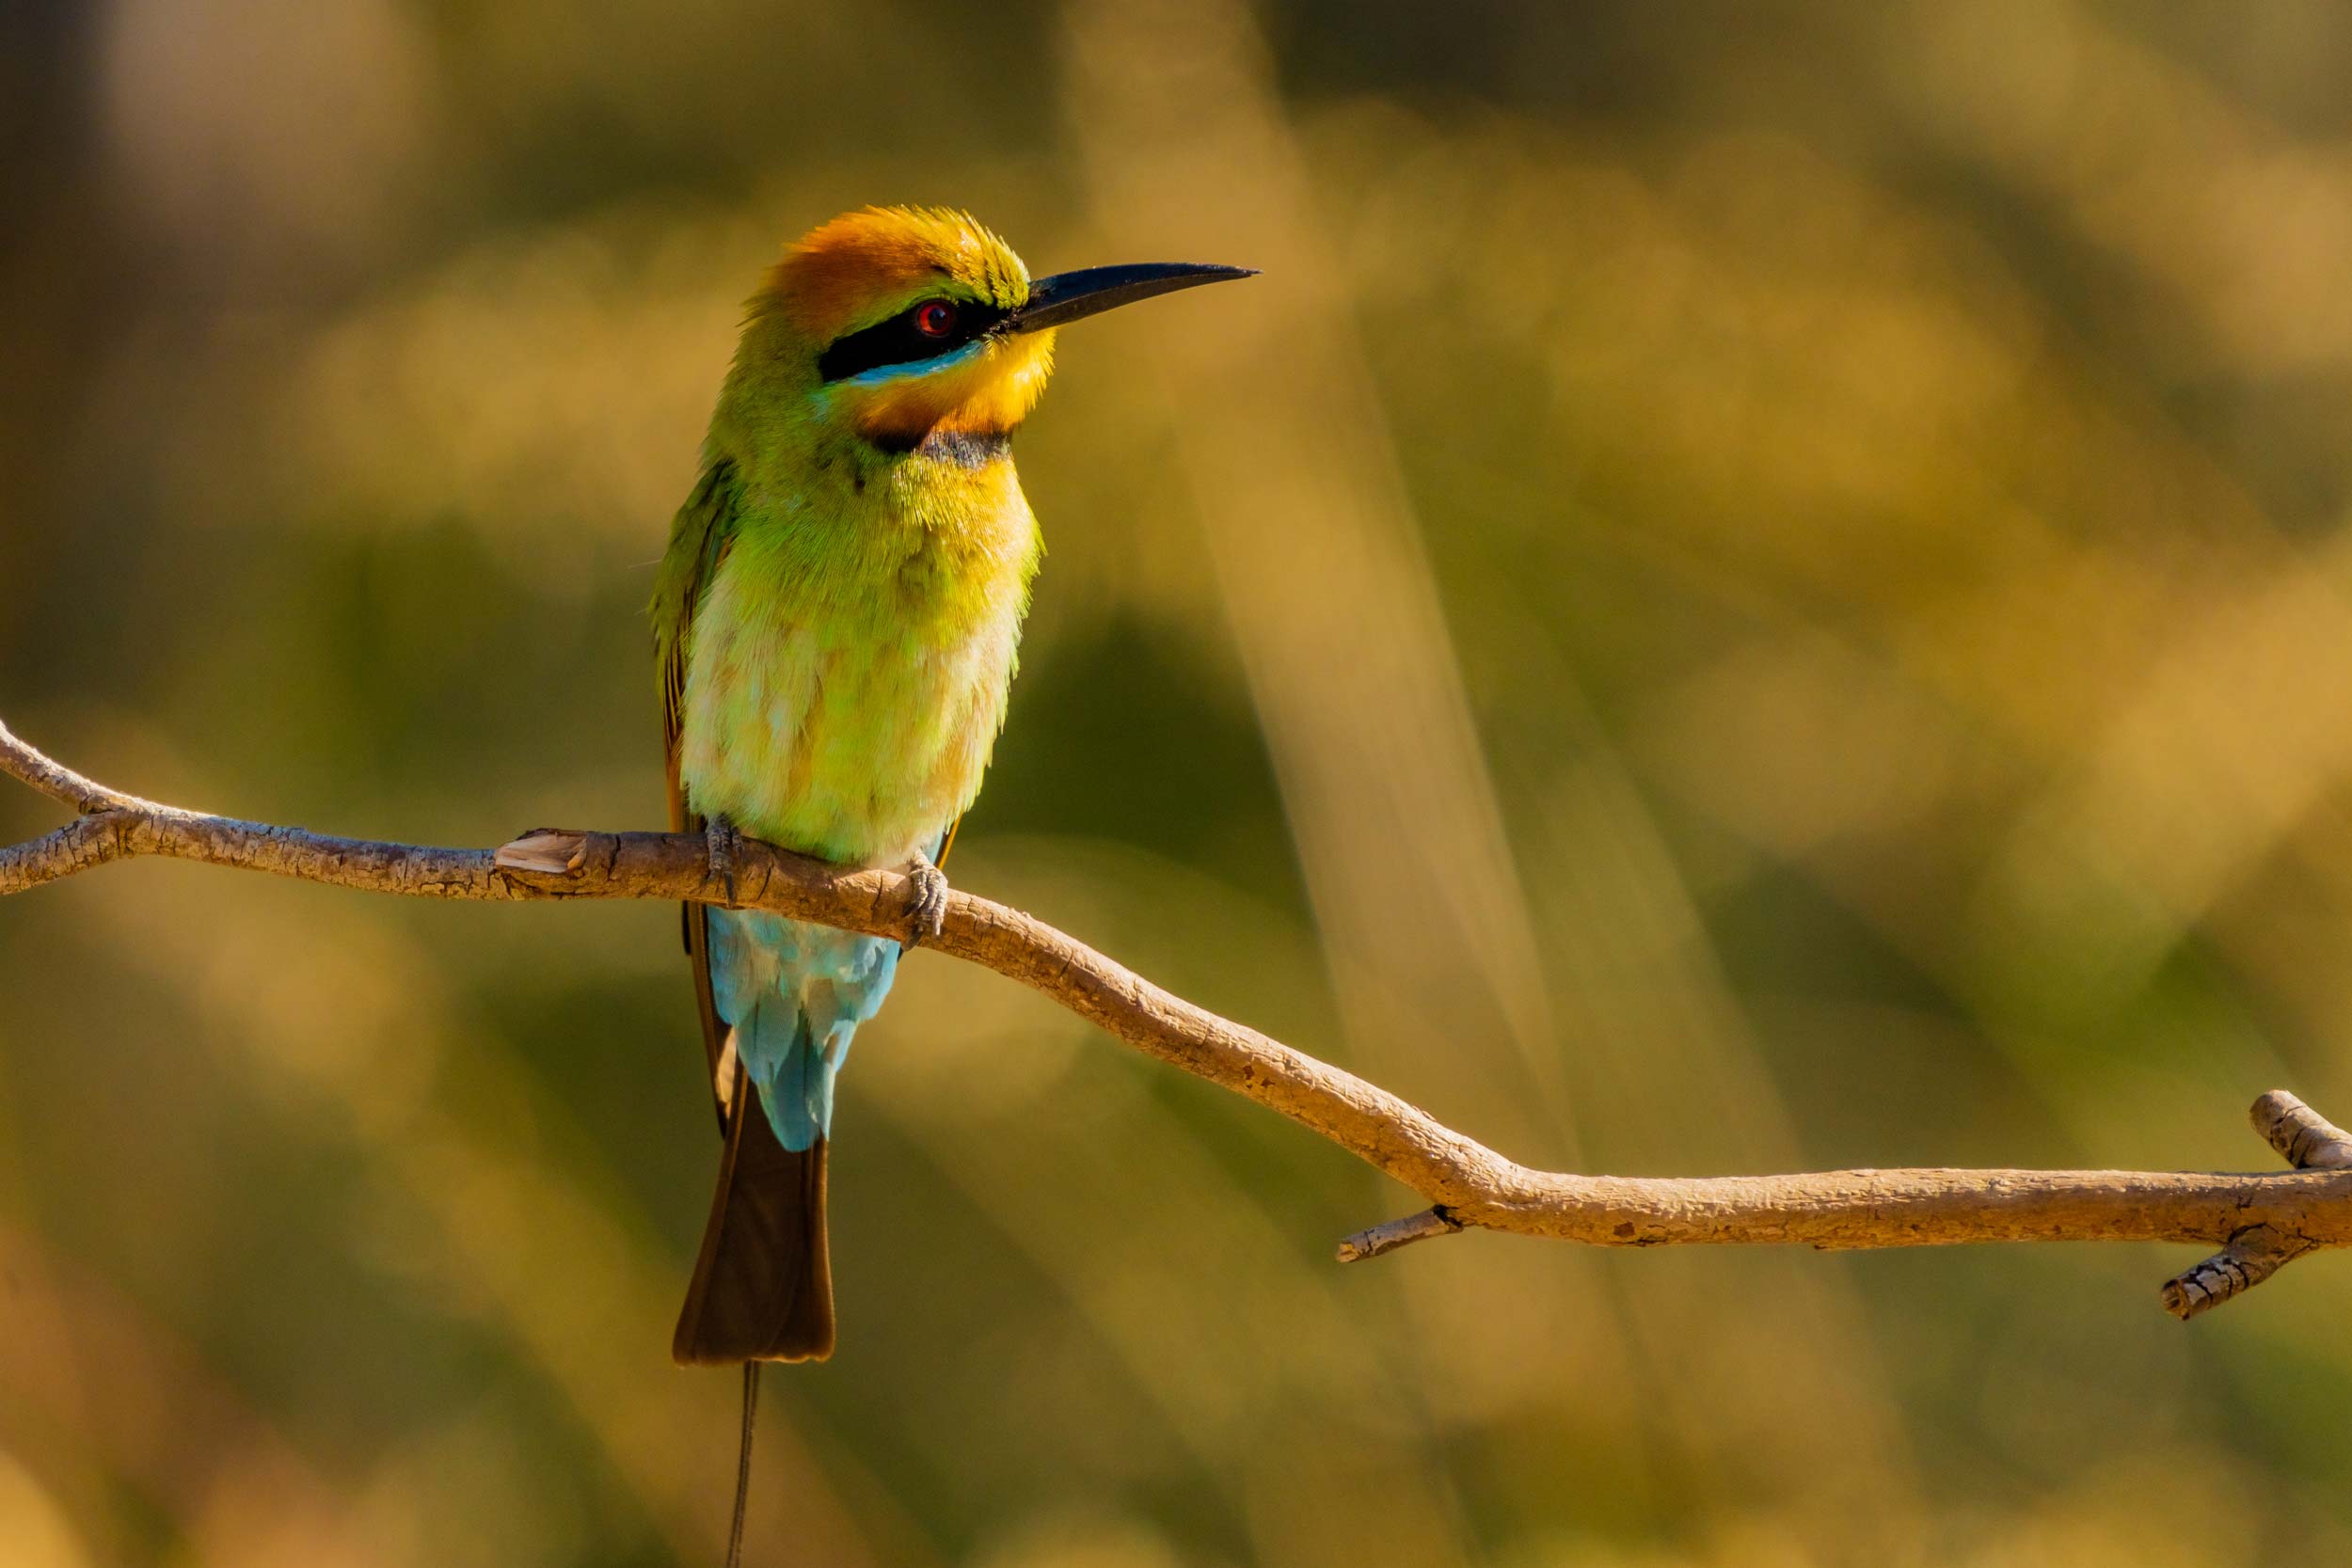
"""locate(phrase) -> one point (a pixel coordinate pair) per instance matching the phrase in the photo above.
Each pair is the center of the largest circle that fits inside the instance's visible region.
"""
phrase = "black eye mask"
(900, 341)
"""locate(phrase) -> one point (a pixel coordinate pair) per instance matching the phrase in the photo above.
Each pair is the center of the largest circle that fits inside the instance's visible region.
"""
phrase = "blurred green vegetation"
(1758, 587)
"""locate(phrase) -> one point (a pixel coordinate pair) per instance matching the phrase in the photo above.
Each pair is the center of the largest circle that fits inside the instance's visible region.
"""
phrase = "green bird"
(836, 618)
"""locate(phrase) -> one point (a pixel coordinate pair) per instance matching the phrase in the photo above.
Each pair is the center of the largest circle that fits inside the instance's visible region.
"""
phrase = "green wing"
(762, 1288)
(699, 537)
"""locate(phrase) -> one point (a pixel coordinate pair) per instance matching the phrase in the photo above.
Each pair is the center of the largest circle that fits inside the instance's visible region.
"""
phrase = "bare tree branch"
(2260, 1221)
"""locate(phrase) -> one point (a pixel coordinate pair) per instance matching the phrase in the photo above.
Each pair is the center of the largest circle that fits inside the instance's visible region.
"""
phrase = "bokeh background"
(1756, 587)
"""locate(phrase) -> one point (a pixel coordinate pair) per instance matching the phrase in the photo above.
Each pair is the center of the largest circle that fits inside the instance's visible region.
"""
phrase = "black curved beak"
(1068, 297)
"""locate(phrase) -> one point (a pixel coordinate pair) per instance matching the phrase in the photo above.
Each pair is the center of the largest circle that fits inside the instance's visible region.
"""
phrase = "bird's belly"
(857, 749)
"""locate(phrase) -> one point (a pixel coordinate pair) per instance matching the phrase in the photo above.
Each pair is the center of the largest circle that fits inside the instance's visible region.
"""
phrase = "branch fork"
(2259, 1223)
(2305, 1140)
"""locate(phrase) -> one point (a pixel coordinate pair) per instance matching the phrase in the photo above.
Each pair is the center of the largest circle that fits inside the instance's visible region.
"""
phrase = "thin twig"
(1469, 1185)
(1390, 1234)
(54, 779)
(2303, 1137)
(2252, 1255)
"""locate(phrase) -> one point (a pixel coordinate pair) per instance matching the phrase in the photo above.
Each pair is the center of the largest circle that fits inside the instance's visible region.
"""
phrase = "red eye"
(935, 318)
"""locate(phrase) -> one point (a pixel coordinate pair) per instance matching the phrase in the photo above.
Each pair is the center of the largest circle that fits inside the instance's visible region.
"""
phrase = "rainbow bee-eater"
(836, 618)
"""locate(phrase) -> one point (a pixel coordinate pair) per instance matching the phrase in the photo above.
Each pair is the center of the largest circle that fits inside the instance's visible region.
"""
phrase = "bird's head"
(897, 323)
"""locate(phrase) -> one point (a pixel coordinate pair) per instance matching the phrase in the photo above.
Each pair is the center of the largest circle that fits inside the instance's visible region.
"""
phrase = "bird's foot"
(721, 843)
(926, 911)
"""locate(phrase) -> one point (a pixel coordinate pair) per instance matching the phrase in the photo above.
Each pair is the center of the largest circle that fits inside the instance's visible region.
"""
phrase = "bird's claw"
(927, 910)
(722, 843)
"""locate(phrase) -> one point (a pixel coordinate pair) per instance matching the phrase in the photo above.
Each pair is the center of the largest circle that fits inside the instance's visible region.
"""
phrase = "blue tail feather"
(795, 994)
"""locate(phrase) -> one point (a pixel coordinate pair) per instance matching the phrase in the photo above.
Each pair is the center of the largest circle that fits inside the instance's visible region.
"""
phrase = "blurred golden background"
(1756, 587)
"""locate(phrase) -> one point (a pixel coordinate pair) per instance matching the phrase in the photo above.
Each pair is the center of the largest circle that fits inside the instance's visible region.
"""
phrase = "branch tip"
(2303, 1137)
(1388, 1236)
(2252, 1255)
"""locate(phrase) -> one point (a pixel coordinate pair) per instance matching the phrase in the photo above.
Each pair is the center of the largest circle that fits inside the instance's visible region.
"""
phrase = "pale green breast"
(846, 678)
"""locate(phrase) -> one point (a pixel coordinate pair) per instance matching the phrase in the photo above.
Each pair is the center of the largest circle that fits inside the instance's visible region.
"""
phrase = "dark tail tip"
(763, 1284)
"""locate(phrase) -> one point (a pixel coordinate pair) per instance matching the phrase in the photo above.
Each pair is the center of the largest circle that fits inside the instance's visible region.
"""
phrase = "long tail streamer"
(743, 1465)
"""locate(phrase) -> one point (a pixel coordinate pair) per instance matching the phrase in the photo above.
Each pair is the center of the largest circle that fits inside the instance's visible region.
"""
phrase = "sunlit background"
(1756, 587)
